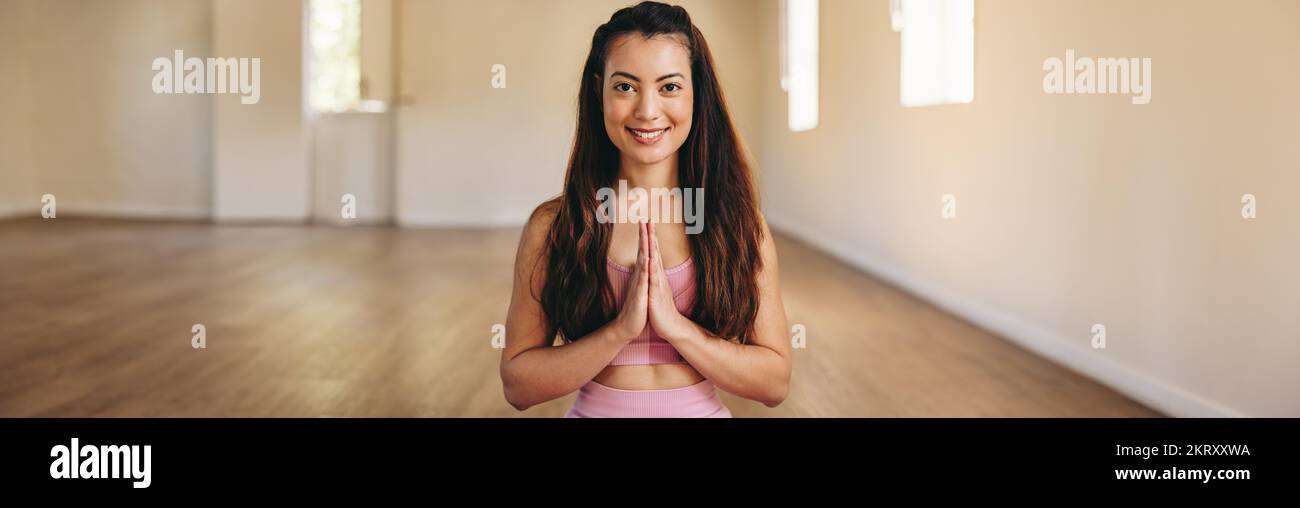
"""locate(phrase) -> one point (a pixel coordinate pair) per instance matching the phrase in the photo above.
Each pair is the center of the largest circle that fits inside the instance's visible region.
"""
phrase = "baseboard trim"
(434, 220)
(133, 211)
(14, 211)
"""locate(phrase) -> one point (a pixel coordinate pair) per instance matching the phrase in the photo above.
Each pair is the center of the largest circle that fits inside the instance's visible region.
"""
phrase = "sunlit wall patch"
(937, 51)
(799, 54)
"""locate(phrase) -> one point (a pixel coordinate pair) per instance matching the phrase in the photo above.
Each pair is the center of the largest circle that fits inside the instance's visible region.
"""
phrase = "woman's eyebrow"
(634, 78)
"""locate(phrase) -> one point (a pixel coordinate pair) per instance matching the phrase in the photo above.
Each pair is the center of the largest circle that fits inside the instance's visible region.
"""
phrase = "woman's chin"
(647, 157)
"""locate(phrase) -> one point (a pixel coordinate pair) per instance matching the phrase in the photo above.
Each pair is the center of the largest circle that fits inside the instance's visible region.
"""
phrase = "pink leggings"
(699, 400)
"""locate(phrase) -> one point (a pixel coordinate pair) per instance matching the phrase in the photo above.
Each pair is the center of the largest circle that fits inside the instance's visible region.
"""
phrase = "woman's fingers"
(642, 259)
(654, 247)
(645, 247)
(658, 279)
(640, 242)
(650, 261)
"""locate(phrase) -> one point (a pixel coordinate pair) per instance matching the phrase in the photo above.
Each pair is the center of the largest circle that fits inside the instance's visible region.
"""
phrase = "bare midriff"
(663, 376)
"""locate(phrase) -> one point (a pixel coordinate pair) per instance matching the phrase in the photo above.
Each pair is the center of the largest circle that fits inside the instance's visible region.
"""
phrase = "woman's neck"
(662, 174)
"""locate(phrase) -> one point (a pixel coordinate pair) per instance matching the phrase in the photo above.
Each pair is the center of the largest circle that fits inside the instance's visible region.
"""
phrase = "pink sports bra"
(649, 348)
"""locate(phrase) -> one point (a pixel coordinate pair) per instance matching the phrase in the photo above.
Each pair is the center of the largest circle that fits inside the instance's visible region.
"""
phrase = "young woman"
(649, 318)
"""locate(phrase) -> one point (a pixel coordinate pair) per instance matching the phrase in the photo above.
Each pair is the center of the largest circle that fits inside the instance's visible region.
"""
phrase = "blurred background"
(954, 240)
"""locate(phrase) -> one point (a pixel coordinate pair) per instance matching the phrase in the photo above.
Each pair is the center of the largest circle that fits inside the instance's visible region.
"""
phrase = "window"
(335, 35)
(938, 51)
(799, 54)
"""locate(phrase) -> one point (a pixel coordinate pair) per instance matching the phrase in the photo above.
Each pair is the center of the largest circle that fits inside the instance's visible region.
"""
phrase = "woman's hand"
(664, 317)
(631, 319)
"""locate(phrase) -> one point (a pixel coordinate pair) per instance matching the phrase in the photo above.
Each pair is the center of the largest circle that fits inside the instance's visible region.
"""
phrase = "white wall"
(99, 139)
(471, 154)
(1073, 210)
(352, 153)
(17, 190)
(260, 151)
(87, 127)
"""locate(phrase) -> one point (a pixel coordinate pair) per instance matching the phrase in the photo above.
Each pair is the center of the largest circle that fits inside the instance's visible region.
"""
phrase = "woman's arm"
(759, 370)
(532, 369)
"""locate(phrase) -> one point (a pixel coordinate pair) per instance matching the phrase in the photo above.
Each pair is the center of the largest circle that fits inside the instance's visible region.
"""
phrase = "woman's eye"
(675, 88)
(621, 87)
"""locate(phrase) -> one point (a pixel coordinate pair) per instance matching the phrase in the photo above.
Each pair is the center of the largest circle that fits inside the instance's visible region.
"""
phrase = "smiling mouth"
(648, 136)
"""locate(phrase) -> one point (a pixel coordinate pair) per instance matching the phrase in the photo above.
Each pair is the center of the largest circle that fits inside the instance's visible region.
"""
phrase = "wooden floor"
(96, 317)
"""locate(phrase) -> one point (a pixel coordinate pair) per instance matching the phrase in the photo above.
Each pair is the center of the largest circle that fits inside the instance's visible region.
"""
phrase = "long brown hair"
(576, 296)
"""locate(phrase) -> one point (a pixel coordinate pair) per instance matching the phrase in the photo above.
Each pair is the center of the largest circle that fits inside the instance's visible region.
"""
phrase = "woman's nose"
(647, 107)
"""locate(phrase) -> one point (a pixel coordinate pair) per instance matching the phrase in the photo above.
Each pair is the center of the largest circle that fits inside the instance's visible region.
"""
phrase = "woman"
(649, 318)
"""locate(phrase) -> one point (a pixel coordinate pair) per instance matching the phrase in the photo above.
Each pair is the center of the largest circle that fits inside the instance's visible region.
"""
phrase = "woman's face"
(647, 96)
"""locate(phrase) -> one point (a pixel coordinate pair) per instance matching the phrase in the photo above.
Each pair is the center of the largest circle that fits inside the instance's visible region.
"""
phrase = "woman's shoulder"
(538, 226)
(765, 233)
(539, 222)
(766, 241)
(546, 211)
(532, 241)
